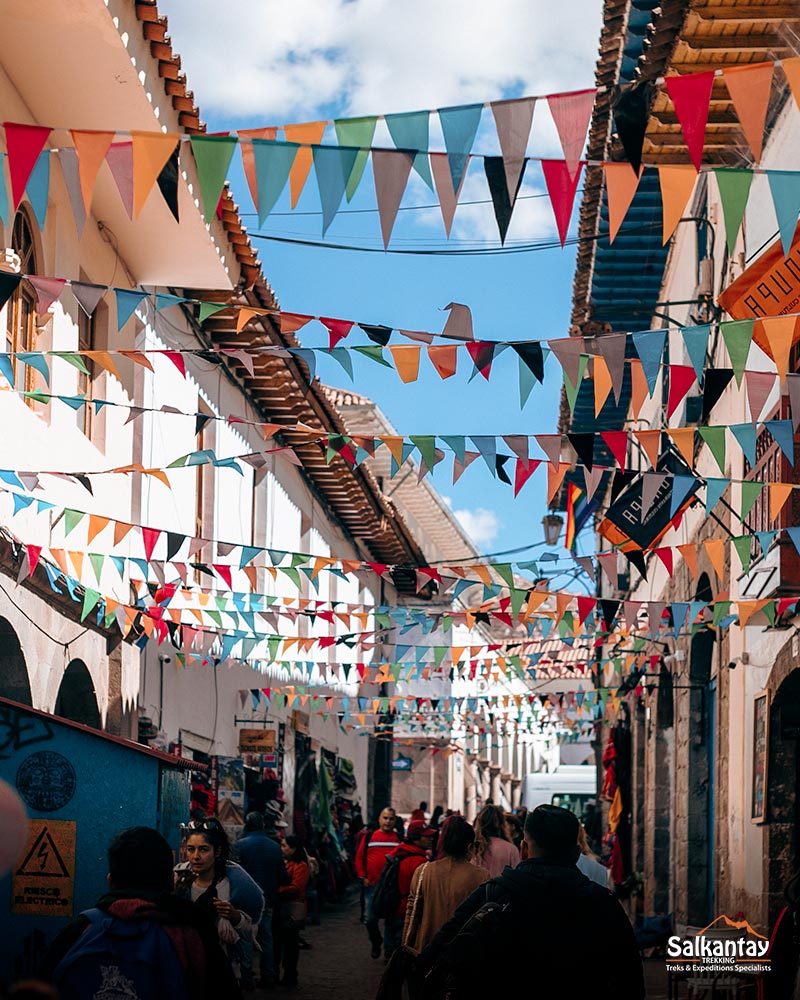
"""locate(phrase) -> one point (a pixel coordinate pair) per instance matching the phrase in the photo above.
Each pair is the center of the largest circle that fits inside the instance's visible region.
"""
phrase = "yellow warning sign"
(44, 879)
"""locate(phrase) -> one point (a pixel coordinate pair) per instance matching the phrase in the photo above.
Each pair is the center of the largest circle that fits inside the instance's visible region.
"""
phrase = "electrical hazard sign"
(44, 878)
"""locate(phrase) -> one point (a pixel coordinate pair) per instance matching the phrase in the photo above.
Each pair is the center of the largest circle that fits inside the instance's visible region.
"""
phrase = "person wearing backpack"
(401, 863)
(543, 921)
(369, 861)
(140, 940)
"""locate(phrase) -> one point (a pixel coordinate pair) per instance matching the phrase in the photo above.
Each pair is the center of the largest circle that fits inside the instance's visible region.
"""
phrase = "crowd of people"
(229, 916)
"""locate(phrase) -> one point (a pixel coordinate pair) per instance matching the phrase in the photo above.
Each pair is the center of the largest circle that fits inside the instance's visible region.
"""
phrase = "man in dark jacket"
(558, 929)
(140, 879)
(262, 859)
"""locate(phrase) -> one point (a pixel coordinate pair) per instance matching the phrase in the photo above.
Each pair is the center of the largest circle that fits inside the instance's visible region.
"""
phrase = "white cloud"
(480, 524)
(276, 61)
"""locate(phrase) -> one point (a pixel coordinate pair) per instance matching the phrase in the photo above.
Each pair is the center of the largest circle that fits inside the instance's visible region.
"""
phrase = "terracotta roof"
(280, 387)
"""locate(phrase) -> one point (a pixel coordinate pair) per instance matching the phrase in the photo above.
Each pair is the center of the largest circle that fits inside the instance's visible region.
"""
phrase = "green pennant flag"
(750, 493)
(209, 309)
(215, 617)
(213, 155)
(518, 598)
(714, 437)
(292, 573)
(72, 518)
(572, 390)
(738, 336)
(439, 653)
(426, 444)
(300, 558)
(742, 545)
(97, 559)
(72, 359)
(770, 610)
(734, 187)
(355, 132)
(721, 609)
(374, 353)
(272, 643)
(90, 599)
(505, 572)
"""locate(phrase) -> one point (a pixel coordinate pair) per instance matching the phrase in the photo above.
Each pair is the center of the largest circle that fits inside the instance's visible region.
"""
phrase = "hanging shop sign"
(260, 741)
(44, 880)
(301, 723)
(770, 286)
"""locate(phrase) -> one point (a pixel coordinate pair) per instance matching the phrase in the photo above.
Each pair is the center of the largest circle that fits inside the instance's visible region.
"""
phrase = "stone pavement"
(338, 965)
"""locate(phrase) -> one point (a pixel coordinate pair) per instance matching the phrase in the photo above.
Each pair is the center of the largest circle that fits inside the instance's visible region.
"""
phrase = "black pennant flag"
(377, 333)
(636, 558)
(200, 420)
(609, 609)
(174, 542)
(716, 382)
(8, 285)
(631, 114)
(500, 468)
(501, 197)
(532, 355)
(168, 183)
(584, 447)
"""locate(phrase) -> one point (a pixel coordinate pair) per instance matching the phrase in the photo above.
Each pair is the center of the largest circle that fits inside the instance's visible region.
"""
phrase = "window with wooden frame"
(86, 342)
(21, 315)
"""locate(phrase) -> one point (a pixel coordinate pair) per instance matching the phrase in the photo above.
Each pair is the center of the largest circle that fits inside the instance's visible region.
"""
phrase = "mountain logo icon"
(738, 925)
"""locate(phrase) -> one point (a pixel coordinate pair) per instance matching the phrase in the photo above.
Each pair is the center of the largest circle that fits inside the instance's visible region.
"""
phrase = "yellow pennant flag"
(779, 493)
(602, 384)
(715, 548)
(677, 184)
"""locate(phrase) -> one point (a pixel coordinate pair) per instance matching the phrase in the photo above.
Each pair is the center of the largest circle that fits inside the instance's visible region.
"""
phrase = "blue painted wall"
(115, 787)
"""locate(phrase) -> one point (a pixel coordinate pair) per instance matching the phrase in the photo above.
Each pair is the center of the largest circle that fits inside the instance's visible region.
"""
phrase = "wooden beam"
(734, 43)
(777, 13)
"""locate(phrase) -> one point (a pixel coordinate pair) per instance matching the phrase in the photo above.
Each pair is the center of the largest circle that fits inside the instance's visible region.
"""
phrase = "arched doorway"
(783, 780)
(76, 697)
(14, 683)
(701, 803)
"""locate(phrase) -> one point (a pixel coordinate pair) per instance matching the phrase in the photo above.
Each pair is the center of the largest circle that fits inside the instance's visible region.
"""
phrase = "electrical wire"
(36, 625)
(373, 211)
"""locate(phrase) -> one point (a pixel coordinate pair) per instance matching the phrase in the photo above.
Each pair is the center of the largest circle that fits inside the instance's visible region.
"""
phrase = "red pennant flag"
(561, 187)
(681, 380)
(482, 354)
(617, 442)
(665, 555)
(337, 328)
(34, 551)
(149, 537)
(586, 606)
(523, 472)
(571, 113)
(224, 572)
(177, 359)
(23, 145)
(690, 95)
(47, 290)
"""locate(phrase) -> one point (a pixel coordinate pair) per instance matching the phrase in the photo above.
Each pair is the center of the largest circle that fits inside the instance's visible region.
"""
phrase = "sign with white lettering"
(44, 880)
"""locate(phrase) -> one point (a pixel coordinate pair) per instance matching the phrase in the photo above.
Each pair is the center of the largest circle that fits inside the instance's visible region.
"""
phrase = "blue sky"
(316, 59)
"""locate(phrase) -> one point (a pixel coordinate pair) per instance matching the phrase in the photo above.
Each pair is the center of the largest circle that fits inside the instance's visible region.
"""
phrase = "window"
(21, 322)
(86, 342)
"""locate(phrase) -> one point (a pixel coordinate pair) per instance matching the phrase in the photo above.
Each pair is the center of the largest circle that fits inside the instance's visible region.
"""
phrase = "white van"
(570, 786)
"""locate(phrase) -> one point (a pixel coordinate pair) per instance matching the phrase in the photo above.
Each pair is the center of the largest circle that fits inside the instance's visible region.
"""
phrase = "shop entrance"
(783, 790)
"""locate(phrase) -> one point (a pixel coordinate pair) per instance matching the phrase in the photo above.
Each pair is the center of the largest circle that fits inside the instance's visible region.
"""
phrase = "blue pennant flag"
(745, 434)
(784, 185)
(333, 166)
(696, 340)
(650, 348)
(273, 162)
(411, 132)
(38, 187)
(714, 490)
(459, 127)
(782, 432)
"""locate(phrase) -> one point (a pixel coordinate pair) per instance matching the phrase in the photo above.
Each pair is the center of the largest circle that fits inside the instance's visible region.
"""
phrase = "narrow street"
(338, 964)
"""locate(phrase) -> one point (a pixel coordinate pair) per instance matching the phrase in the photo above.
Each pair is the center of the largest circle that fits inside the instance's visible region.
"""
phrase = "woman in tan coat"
(439, 887)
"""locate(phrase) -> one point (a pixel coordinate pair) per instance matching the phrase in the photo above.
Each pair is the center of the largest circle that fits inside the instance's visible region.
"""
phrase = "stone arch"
(14, 681)
(76, 698)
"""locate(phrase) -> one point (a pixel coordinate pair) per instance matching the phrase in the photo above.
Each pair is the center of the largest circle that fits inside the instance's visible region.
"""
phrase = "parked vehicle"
(570, 786)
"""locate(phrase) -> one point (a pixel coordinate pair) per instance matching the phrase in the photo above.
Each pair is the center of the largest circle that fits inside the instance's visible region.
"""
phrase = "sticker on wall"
(44, 881)
(46, 781)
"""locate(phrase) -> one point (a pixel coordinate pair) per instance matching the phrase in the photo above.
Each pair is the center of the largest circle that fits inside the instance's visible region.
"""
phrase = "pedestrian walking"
(262, 859)
(419, 813)
(493, 849)
(369, 862)
(588, 862)
(439, 888)
(141, 940)
(410, 856)
(293, 908)
(220, 888)
(436, 817)
(542, 919)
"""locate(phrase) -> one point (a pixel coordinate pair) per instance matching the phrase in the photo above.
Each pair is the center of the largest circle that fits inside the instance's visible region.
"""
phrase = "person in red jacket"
(297, 866)
(369, 861)
(412, 853)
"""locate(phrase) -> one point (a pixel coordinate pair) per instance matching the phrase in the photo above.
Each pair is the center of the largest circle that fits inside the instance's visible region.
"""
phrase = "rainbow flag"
(574, 493)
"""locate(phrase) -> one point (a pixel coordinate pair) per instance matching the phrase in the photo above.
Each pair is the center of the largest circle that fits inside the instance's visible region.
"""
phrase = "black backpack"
(468, 963)
(386, 901)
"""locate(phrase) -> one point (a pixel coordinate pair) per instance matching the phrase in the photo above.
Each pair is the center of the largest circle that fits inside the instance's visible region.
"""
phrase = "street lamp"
(552, 524)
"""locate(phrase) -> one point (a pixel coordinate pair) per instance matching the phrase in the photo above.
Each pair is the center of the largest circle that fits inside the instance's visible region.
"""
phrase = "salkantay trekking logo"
(715, 949)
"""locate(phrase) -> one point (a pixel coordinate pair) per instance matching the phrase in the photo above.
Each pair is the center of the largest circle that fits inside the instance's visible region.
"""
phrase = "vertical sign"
(44, 880)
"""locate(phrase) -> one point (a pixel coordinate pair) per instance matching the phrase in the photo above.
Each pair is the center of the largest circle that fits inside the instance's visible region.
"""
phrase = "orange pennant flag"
(138, 357)
(104, 360)
(689, 553)
(651, 444)
(91, 148)
(780, 334)
(395, 446)
(310, 134)
(563, 601)
(639, 389)
(151, 150)
(77, 562)
(779, 493)
(406, 361)
(555, 477)
(252, 575)
(321, 563)
(621, 185)
(158, 474)
(677, 183)
(59, 557)
(715, 548)
(96, 525)
(602, 381)
(747, 609)
(244, 317)
(791, 69)
(749, 87)
(444, 358)
(684, 442)
(121, 529)
(248, 155)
